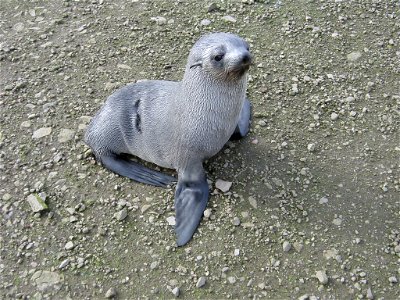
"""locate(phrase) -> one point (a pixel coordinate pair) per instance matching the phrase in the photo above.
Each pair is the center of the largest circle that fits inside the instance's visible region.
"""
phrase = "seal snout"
(246, 58)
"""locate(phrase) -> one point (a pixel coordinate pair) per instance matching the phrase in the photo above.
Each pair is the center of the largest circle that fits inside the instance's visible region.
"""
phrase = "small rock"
(236, 252)
(25, 124)
(171, 221)
(229, 19)
(369, 294)
(334, 116)
(37, 203)
(353, 56)
(66, 135)
(201, 282)
(145, 208)
(153, 265)
(236, 221)
(253, 202)
(175, 291)
(46, 280)
(231, 279)
(298, 246)
(207, 213)
(323, 200)
(213, 7)
(223, 185)
(311, 147)
(111, 293)
(159, 20)
(262, 123)
(286, 246)
(121, 215)
(41, 132)
(205, 22)
(19, 27)
(337, 221)
(64, 263)
(69, 245)
(6, 197)
(322, 277)
(392, 279)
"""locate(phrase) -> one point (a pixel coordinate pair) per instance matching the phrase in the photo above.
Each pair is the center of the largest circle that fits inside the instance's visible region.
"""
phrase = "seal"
(178, 125)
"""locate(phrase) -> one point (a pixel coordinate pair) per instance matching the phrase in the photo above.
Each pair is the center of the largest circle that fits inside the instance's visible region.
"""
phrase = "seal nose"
(246, 58)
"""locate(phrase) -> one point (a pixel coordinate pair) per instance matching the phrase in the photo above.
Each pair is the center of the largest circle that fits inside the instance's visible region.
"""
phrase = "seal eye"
(218, 57)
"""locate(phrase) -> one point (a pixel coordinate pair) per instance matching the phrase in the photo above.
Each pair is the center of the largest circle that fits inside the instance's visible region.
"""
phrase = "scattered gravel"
(318, 171)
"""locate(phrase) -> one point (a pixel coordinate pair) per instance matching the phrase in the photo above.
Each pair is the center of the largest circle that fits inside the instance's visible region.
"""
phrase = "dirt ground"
(314, 207)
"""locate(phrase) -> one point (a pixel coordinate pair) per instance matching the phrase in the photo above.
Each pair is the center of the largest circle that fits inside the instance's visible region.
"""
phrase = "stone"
(205, 22)
(111, 293)
(69, 245)
(334, 116)
(207, 213)
(286, 246)
(121, 215)
(223, 185)
(47, 280)
(171, 221)
(353, 56)
(175, 291)
(369, 294)
(37, 203)
(41, 132)
(201, 282)
(253, 202)
(65, 135)
(322, 277)
(159, 20)
(229, 19)
(311, 147)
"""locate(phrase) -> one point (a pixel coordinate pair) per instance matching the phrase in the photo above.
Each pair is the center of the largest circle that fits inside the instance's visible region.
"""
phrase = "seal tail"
(126, 167)
(191, 199)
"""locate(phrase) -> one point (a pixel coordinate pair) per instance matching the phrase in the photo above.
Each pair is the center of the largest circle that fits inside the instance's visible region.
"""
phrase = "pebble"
(322, 277)
(65, 135)
(236, 252)
(153, 265)
(298, 246)
(41, 132)
(393, 279)
(201, 282)
(207, 213)
(111, 293)
(26, 124)
(337, 221)
(121, 215)
(229, 19)
(37, 203)
(205, 22)
(145, 208)
(69, 245)
(159, 20)
(262, 123)
(171, 221)
(286, 246)
(334, 116)
(46, 280)
(353, 56)
(369, 294)
(6, 197)
(323, 200)
(253, 202)
(236, 221)
(311, 147)
(175, 291)
(231, 279)
(64, 263)
(222, 185)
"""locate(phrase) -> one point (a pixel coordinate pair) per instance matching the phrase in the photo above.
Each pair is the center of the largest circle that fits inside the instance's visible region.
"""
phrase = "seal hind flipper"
(128, 168)
(191, 199)
(243, 125)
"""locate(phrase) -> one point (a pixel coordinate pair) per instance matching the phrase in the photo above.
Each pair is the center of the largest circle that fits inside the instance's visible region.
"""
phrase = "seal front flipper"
(125, 167)
(191, 199)
(243, 125)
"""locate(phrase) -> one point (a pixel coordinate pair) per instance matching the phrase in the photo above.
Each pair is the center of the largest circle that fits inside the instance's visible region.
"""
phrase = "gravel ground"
(313, 210)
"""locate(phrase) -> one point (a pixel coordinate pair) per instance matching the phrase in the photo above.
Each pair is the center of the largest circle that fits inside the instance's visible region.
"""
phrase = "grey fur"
(178, 124)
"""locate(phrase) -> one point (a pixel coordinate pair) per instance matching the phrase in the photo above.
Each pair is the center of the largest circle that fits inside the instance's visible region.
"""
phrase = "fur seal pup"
(178, 125)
